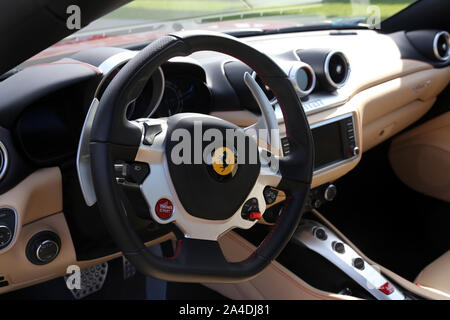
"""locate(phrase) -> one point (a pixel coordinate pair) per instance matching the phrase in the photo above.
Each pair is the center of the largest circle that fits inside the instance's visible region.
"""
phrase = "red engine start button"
(164, 209)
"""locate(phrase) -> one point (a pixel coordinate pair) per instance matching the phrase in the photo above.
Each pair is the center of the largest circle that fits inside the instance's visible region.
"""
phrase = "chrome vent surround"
(303, 78)
(3, 160)
(441, 45)
(337, 69)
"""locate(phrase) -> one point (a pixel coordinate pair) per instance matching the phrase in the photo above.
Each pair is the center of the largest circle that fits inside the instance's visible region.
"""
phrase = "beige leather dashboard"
(384, 92)
(380, 111)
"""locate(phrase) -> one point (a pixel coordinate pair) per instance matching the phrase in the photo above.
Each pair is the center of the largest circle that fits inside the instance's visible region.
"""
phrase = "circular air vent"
(3, 160)
(303, 78)
(441, 45)
(336, 69)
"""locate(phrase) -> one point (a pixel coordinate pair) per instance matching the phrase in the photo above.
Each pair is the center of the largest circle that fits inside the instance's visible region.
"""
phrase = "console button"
(43, 247)
(270, 195)
(330, 192)
(135, 172)
(387, 288)
(250, 210)
(320, 234)
(255, 215)
(164, 209)
(358, 263)
(338, 247)
(47, 251)
(285, 146)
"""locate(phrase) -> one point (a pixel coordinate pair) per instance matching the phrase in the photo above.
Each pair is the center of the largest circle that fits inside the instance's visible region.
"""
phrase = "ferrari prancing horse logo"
(224, 161)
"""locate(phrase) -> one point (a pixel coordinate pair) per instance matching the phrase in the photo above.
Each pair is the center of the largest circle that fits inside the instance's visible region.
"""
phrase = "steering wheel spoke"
(266, 130)
(269, 174)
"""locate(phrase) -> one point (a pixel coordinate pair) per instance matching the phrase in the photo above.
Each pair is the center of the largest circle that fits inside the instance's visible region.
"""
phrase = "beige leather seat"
(420, 157)
(436, 276)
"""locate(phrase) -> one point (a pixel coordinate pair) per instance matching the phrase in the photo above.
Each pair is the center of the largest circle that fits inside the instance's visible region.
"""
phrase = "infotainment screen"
(327, 144)
(334, 141)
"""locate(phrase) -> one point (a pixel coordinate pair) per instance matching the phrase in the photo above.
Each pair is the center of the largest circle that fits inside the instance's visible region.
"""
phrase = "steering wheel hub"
(190, 142)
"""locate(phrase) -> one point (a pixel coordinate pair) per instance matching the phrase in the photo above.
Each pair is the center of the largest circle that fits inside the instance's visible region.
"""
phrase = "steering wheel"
(203, 198)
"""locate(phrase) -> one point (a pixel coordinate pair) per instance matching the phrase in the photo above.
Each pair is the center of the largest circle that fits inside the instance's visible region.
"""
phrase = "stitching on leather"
(177, 250)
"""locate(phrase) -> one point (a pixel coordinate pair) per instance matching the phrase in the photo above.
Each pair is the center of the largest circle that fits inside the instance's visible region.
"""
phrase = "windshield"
(143, 20)
(262, 14)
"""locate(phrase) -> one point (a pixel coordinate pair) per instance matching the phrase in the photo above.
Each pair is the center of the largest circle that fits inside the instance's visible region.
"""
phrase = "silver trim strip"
(4, 163)
(316, 103)
(370, 278)
(84, 157)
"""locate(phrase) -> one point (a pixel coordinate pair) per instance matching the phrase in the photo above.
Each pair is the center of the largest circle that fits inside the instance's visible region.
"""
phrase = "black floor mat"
(115, 287)
(392, 224)
(191, 291)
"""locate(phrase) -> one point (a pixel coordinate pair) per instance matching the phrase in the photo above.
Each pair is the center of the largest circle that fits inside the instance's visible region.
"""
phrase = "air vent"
(303, 78)
(336, 69)
(330, 67)
(441, 45)
(3, 160)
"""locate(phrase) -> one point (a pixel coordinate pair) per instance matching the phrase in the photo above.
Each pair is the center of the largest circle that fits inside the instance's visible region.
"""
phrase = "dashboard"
(358, 89)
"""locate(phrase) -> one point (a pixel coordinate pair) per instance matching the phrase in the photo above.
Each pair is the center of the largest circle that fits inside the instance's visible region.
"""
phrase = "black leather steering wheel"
(202, 205)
